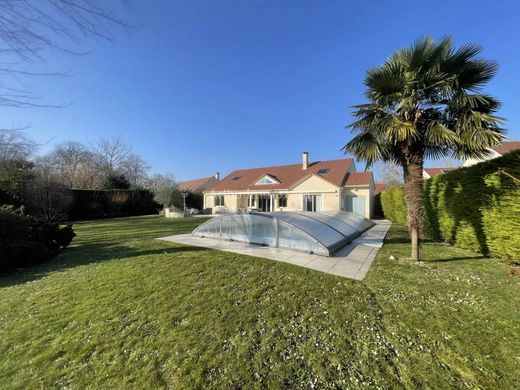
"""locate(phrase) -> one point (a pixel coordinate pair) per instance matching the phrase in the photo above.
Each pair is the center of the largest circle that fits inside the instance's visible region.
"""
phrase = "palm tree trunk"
(413, 178)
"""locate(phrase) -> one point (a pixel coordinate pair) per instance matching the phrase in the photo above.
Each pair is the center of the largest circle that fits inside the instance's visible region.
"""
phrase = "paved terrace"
(352, 261)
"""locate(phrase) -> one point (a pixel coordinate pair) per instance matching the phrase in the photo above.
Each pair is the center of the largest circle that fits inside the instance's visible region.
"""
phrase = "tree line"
(41, 183)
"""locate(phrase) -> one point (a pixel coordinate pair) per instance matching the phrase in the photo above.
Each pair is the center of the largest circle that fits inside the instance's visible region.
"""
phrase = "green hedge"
(393, 205)
(475, 208)
(25, 241)
(94, 204)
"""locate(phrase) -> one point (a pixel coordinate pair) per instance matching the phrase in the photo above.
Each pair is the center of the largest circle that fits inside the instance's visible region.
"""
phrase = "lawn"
(119, 309)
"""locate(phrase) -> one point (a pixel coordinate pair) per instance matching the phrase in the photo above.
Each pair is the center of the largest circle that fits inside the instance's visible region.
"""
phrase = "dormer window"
(266, 180)
(236, 178)
(323, 171)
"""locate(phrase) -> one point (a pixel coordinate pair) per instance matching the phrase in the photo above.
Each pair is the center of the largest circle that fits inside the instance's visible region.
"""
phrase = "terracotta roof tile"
(359, 179)
(379, 188)
(506, 147)
(286, 175)
(194, 185)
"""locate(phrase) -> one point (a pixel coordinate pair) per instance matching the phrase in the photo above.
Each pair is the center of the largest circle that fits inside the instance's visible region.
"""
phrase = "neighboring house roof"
(287, 176)
(379, 188)
(506, 147)
(196, 184)
(359, 179)
(432, 172)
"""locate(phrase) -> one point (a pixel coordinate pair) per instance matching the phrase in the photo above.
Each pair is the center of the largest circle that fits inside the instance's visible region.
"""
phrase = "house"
(428, 173)
(331, 185)
(497, 151)
(379, 187)
(199, 185)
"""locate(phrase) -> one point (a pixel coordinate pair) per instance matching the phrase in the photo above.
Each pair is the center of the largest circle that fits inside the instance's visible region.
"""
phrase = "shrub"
(25, 241)
(475, 208)
(394, 205)
(47, 200)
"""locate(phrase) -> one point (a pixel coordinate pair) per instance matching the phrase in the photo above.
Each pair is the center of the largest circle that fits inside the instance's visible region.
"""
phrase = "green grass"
(119, 309)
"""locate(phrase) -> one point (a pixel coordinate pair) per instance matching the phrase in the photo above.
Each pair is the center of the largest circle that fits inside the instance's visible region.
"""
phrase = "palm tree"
(426, 102)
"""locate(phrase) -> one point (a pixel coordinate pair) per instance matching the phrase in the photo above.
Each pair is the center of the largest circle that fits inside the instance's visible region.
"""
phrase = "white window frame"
(251, 201)
(315, 195)
(219, 197)
(265, 180)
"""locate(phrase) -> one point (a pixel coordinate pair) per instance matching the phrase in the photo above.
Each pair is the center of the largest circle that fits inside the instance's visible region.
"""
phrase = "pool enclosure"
(322, 233)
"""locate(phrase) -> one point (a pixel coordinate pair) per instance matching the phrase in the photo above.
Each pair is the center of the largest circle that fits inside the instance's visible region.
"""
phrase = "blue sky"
(206, 86)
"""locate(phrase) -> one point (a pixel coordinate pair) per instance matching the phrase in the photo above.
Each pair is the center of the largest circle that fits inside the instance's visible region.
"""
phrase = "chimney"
(217, 175)
(305, 160)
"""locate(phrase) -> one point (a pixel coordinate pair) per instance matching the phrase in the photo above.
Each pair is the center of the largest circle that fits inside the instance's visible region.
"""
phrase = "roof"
(195, 184)
(379, 188)
(437, 171)
(359, 179)
(506, 147)
(287, 176)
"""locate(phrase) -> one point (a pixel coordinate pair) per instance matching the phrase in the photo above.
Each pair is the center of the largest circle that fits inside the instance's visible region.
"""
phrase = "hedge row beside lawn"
(94, 204)
(394, 205)
(476, 208)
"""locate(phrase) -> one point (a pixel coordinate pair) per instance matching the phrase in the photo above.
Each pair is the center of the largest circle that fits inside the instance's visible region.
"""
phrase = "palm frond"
(440, 136)
(476, 73)
(398, 130)
(427, 99)
(476, 102)
(366, 147)
(438, 152)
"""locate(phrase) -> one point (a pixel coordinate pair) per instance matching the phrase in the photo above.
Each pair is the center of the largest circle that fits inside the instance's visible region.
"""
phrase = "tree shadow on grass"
(451, 259)
(88, 254)
(406, 240)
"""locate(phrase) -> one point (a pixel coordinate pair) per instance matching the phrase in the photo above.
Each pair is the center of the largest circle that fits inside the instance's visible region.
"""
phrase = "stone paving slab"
(352, 261)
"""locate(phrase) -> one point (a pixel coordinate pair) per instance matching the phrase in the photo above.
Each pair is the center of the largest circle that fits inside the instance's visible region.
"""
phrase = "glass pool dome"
(322, 233)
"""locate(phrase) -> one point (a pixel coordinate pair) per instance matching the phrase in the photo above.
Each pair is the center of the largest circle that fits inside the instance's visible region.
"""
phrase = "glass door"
(312, 202)
(264, 203)
(354, 204)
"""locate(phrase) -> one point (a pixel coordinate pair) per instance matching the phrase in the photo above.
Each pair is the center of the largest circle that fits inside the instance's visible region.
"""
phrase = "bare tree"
(68, 162)
(77, 166)
(15, 145)
(391, 174)
(15, 168)
(110, 153)
(47, 199)
(28, 28)
(135, 169)
(164, 188)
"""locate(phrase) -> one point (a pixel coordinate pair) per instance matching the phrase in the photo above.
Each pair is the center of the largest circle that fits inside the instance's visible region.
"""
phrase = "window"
(250, 201)
(266, 180)
(235, 178)
(219, 200)
(323, 171)
(264, 202)
(312, 202)
(282, 201)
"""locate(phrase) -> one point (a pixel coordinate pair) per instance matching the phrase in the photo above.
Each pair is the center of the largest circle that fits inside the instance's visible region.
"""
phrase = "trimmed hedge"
(394, 205)
(95, 204)
(25, 242)
(476, 208)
